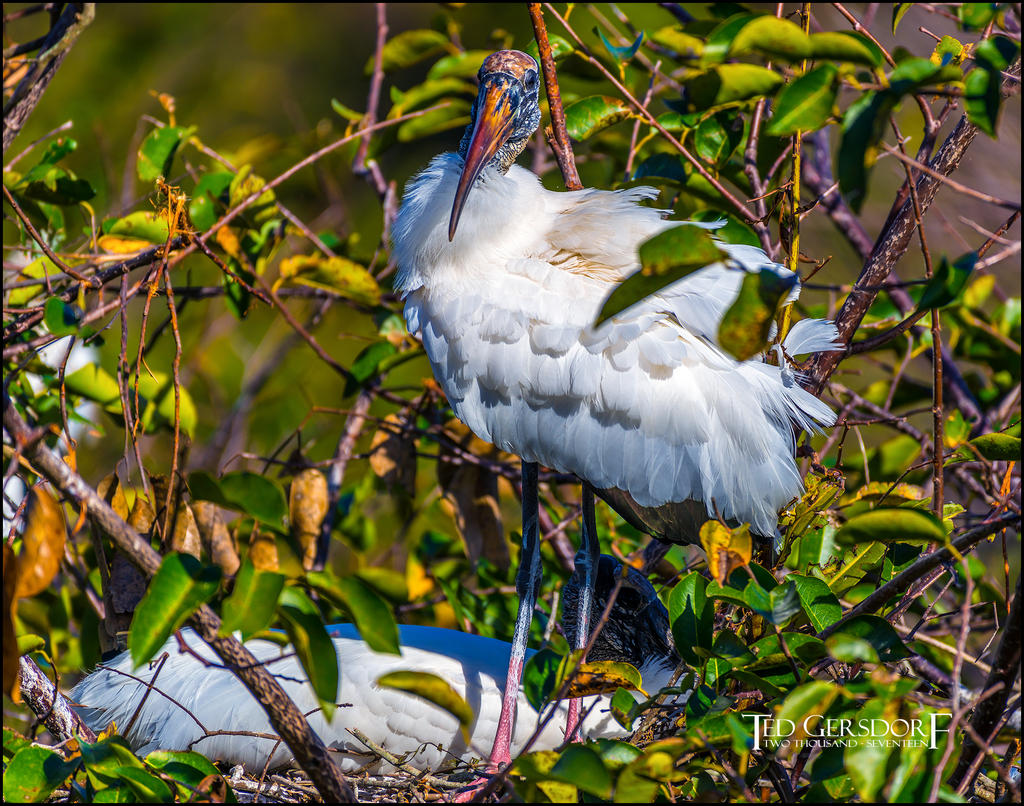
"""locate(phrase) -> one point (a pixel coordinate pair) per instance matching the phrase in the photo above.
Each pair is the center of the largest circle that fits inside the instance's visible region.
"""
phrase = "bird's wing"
(647, 402)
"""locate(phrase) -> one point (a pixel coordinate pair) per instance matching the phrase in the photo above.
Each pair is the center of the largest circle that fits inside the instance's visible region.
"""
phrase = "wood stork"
(193, 697)
(502, 280)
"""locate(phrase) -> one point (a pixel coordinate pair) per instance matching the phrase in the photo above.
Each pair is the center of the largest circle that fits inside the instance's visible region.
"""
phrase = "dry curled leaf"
(307, 507)
(42, 544)
(471, 492)
(727, 549)
(263, 551)
(393, 454)
(10, 640)
(215, 537)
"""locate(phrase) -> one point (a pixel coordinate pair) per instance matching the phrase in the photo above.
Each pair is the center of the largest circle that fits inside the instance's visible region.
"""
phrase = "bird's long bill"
(497, 105)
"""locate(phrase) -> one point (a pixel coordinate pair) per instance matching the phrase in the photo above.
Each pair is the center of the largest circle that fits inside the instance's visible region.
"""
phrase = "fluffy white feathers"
(648, 402)
(188, 692)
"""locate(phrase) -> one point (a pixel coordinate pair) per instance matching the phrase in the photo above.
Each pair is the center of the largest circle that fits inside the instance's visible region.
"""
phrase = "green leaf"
(252, 603)
(620, 54)
(843, 46)
(156, 154)
(539, 675)
(805, 705)
(38, 269)
(148, 788)
(745, 328)
(807, 103)
(454, 114)
(819, 603)
(996, 53)
(806, 649)
(948, 281)
(58, 149)
(717, 136)
(867, 762)
(433, 689)
(851, 649)
(866, 558)
(209, 199)
(675, 39)
(580, 766)
(861, 128)
(33, 773)
(975, 16)
(664, 259)
(994, 447)
(429, 91)
(187, 769)
(691, 617)
(877, 632)
(773, 36)
(145, 225)
(983, 85)
(255, 495)
(337, 274)
(179, 587)
(590, 115)
(371, 614)
(312, 644)
(560, 48)
(727, 83)
(61, 319)
(408, 48)
(892, 524)
(458, 65)
(349, 114)
(719, 41)
(367, 364)
(777, 606)
(94, 383)
(899, 10)
(982, 99)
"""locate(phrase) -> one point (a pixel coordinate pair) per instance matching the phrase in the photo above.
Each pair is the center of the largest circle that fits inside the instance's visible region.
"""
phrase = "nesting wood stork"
(502, 281)
(192, 699)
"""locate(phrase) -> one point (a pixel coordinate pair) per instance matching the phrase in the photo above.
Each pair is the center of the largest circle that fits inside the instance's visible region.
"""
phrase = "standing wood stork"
(193, 697)
(502, 281)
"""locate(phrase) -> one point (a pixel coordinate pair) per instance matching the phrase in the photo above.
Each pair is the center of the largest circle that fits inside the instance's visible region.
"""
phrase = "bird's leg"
(528, 587)
(586, 568)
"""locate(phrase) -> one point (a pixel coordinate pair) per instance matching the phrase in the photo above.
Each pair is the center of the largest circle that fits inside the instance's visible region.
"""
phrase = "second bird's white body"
(648, 402)
(427, 736)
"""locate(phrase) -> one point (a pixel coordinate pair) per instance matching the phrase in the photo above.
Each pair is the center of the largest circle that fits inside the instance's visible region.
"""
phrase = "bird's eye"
(530, 79)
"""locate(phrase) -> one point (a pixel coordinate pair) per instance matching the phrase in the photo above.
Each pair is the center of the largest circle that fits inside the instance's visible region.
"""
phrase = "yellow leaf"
(307, 506)
(122, 245)
(727, 549)
(337, 274)
(42, 544)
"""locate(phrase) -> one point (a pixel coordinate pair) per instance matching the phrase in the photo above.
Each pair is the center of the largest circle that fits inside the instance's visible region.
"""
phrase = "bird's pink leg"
(528, 587)
(586, 564)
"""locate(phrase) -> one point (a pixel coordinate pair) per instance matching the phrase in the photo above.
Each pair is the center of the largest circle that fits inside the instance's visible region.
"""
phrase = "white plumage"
(648, 402)
(402, 723)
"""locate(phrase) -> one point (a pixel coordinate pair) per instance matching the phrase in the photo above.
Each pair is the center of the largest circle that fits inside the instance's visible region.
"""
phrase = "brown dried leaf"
(263, 551)
(307, 507)
(110, 491)
(42, 544)
(472, 493)
(215, 537)
(186, 532)
(10, 640)
(727, 549)
(393, 454)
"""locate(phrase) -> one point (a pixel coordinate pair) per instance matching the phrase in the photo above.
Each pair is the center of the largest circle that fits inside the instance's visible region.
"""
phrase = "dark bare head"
(504, 116)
